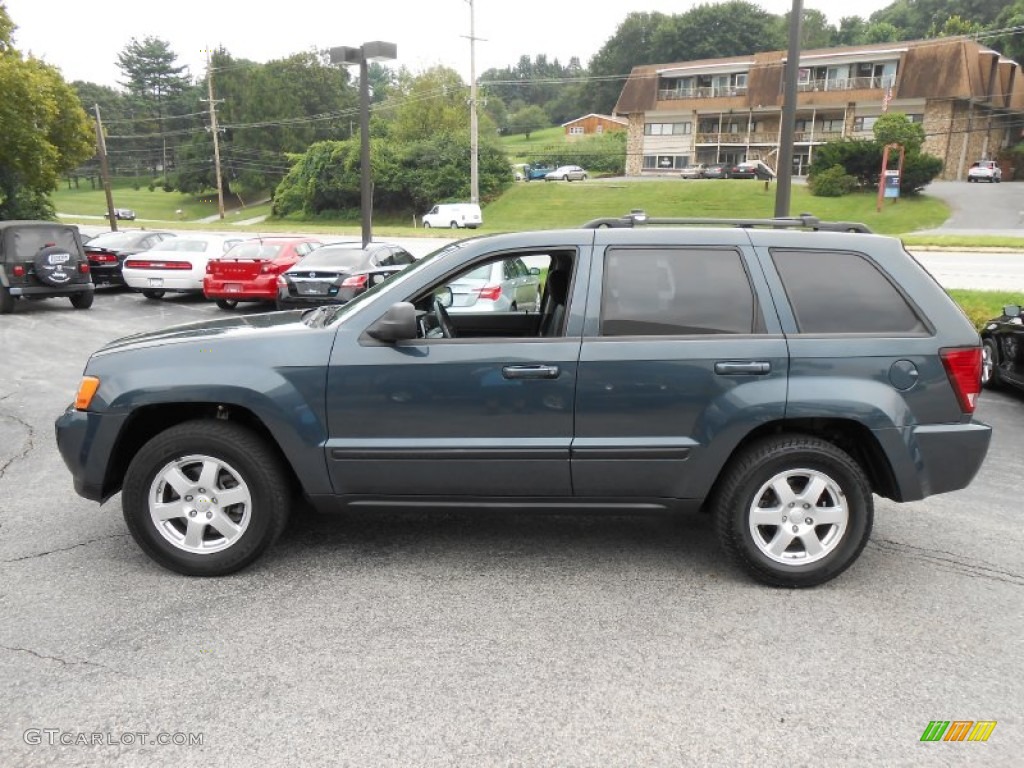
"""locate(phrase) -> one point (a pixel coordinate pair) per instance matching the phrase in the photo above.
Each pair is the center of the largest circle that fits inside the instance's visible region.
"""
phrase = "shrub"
(832, 182)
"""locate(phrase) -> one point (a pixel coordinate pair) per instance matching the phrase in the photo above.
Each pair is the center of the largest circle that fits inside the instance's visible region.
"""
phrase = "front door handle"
(743, 367)
(530, 371)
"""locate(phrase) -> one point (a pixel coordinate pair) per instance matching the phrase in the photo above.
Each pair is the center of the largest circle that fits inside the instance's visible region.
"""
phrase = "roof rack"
(803, 221)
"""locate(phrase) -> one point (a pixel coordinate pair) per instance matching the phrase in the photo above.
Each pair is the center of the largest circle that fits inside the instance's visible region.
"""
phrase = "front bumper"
(86, 442)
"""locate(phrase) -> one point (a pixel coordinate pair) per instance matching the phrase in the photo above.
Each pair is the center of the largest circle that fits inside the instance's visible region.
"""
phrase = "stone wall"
(635, 145)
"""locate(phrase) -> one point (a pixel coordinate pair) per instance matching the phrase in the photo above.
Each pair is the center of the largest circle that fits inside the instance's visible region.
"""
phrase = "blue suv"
(776, 374)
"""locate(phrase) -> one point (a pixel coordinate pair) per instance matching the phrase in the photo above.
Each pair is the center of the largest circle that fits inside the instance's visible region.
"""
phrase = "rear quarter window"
(843, 292)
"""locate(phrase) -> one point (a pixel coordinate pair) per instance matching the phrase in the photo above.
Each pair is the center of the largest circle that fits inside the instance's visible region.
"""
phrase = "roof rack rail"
(803, 221)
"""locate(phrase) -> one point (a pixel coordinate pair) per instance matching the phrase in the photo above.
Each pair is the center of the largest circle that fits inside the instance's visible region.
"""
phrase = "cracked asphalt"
(415, 639)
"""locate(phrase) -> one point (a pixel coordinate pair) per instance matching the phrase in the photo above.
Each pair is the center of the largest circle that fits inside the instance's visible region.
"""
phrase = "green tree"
(955, 26)
(733, 28)
(433, 101)
(851, 31)
(630, 46)
(44, 132)
(896, 128)
(528, 120)
(882, 32)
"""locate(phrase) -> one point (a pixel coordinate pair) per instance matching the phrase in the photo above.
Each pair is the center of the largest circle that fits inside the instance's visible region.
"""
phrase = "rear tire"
(6, 301)
(454, 225)
(227, 303)
(82, 300)
(153, 294)
(426, 225)
(793, 510)
(170, 498)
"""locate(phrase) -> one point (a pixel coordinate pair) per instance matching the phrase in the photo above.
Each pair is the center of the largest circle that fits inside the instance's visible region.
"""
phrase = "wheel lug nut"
(809, 521)
(796, 528)
(807, 506)
(213, 499)
(202, 490)
(783, 518)
(188, 498)
(792, 504)
(209, 515)
(191, 513)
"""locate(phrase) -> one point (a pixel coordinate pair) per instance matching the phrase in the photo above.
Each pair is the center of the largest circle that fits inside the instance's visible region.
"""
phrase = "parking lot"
(415, 638)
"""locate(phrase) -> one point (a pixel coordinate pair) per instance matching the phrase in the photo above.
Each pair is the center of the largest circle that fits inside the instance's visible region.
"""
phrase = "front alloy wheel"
(205, 498)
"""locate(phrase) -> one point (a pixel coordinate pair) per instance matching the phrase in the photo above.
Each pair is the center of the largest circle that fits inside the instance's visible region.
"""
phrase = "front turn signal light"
(86, 391)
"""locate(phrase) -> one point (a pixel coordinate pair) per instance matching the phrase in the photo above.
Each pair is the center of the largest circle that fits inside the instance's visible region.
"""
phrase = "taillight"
(145, 264)
(19, 271)
(282, 281)
(356, 281)
(963, 367)
(490, 292)
(209, 267)
(103, 258)
(83, 267)
(269, 268)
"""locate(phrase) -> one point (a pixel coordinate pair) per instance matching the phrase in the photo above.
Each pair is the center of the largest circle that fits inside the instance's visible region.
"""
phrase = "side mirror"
(397, 324)
(534, 270)
(1011, 310)
(445, 296)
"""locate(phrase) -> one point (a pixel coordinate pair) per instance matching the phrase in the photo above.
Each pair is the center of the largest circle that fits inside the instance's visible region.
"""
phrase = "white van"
(454, 216)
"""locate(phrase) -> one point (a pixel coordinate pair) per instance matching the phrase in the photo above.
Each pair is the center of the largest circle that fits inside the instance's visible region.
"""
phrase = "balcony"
(710, 92)
(848, 83)
(742, 139)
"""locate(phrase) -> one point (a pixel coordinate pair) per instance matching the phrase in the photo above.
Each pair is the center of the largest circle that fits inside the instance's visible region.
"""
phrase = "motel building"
(968, 97)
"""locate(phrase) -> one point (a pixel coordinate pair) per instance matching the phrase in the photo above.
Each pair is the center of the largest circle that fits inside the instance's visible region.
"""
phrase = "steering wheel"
(444, 323)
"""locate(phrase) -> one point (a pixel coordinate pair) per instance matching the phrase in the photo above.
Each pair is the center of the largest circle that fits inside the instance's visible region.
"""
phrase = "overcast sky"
(83, 37)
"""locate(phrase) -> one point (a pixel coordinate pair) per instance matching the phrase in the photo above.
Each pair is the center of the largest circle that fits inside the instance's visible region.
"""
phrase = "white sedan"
(176, 265)
(566, 173)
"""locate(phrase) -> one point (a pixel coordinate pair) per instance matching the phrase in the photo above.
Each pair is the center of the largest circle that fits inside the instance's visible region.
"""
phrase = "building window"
(864, 123)
(665, 162)
(599, 129)
(575, 129)
(832, 126)
(917, 117)
(667, 129)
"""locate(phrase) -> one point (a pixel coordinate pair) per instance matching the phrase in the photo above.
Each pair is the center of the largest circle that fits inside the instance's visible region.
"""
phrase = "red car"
(248, 272)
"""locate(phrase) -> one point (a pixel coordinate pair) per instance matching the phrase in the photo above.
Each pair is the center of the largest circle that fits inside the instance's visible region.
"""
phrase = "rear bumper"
(263, 288)
(51, 290)
(936, 458)
(180, 283)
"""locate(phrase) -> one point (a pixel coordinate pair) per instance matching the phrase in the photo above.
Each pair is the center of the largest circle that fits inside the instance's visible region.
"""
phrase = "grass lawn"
(982, 306)
(965, 241)
(540, 146)
(544, 205)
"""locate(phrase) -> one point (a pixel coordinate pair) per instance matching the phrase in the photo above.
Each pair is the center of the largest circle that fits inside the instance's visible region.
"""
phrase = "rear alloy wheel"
(205, 498)
(454, 225)
(426, 225)
(227, 303)
(794, 510)
(82, 300)
(153, 294)
(6, 301)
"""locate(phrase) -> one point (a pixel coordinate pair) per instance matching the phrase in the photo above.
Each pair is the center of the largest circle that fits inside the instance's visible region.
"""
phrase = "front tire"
(793, 510)
(205, 498)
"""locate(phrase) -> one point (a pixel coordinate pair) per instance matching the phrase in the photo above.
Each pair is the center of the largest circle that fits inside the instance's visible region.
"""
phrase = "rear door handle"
(530, 371)
(743, 367)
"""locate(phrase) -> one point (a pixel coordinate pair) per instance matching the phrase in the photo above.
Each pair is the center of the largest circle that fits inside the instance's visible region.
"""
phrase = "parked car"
(985, 170)
(753, 169)
(107, 252)
(42, 260)
(777, 374)
(338, 272)
(454, 216)
(536, 171)
(695, 171)
(566, 173)
(717, 171)
(124, 213)
(175, 265)
(500, 286)
(1002, 341)
(248, 272)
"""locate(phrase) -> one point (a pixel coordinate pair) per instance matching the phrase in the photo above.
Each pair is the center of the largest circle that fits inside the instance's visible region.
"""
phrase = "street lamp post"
(377, 50)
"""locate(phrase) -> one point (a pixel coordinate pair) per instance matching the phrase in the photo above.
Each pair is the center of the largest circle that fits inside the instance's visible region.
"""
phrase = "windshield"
(182, 244)
(28, 240)
(113, 239)
(254, 250)
(333, 257)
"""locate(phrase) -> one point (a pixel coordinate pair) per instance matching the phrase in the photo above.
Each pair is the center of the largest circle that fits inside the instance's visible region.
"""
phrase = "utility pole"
(474, 130)
(101, 149)
(216, 135)
(784, 185)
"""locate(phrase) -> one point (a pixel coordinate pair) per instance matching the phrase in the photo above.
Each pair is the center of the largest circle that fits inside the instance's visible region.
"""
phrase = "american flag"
(887, 98)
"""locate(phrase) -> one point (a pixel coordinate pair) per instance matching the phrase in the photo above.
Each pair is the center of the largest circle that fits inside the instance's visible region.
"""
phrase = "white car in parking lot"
(176, 265)
(501, 286)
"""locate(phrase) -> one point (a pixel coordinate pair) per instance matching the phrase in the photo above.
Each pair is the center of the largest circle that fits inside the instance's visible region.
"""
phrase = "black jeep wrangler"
(40, 260)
